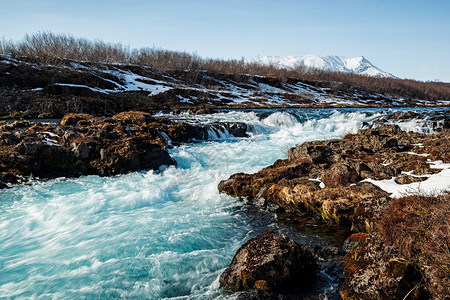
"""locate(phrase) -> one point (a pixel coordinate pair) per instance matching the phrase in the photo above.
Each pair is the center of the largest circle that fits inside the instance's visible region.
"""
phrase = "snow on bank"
(435, 184)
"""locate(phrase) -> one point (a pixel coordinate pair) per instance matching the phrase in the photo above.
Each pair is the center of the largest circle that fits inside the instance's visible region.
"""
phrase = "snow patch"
(435, 184)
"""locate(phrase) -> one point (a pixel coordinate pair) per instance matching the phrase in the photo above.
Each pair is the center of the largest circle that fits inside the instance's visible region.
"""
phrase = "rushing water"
(149, 235)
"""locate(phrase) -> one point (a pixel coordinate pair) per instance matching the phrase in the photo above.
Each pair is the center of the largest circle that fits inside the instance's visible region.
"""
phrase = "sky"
(410, 39)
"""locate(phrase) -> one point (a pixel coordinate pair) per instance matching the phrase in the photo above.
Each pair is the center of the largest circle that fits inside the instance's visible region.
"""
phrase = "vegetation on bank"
(418, 228)
(50, 48)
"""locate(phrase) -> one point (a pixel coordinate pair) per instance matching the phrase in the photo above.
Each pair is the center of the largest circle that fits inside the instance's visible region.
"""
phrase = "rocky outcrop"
(83, 144)
(269, 262)
(80, 145)
(327, 177)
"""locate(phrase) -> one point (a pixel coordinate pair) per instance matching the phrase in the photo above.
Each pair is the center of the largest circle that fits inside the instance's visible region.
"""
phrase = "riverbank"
(30, 89)
(81, 144)
(352, 182)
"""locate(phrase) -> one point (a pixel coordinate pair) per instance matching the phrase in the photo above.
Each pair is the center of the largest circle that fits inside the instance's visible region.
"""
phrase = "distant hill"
(32, 89)
(357, 65)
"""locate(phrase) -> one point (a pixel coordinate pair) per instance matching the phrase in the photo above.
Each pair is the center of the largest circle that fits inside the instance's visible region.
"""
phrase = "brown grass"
(418, 227)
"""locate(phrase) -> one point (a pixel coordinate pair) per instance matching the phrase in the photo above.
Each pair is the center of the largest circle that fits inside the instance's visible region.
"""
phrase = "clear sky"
(410, 39)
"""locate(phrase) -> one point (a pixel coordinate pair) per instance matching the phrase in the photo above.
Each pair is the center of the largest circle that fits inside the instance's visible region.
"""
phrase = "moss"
(101, 165)
(133, 117)
(263, 286)
(349, 262)
(397, 267)
(74, 118)
(358, 237)
(247, 280)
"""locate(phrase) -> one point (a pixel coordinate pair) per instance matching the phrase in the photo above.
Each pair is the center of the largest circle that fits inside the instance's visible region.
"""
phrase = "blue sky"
(410, 39)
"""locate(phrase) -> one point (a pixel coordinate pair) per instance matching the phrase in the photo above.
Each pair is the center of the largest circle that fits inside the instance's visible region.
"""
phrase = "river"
(156, 235)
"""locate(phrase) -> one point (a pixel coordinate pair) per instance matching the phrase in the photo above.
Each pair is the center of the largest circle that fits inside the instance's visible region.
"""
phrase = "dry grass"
(418, 227)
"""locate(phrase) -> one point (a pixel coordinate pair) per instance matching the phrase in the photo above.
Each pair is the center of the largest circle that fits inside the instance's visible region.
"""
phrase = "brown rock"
(270, 260)
(407, 179)
(312, 151)
(293, 184)
(340, 174)
(75, 118)
(134, 117)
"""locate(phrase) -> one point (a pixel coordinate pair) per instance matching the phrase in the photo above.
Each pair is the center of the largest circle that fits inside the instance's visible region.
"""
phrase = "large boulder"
(269, 261)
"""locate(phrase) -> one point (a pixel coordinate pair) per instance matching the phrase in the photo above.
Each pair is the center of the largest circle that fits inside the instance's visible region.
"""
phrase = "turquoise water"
(149, 235)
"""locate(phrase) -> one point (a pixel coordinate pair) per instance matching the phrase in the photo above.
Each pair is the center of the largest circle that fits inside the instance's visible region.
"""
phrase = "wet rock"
(81, 150)
(237, 129)
(184, 132)
(325, 177)
(272, 262)
(9, 178)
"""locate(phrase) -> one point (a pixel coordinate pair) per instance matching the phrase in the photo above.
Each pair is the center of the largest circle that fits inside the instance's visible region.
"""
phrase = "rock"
(324, 177)
(84, 145)
(340, 174)
(184, 132)
(407, 179)
(80, 150)
(257, 294)
(134, 117)
(272, 262)
(9, 178)
(237, 129)
(312, 151)
(75, 118)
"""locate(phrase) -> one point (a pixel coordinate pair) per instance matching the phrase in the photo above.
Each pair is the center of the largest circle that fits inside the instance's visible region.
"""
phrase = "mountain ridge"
(357, 65)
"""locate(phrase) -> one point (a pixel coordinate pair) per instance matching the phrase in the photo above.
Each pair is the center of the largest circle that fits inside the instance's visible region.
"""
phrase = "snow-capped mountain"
(357, 65)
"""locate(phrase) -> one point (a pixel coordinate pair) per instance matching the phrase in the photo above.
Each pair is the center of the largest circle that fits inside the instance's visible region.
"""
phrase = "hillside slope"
(31, 89)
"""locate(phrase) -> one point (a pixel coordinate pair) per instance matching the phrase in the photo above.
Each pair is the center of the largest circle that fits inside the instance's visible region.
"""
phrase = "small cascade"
(212, 134)
(426, 125)
(219, 131)
(166, 138)
(281, 119)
